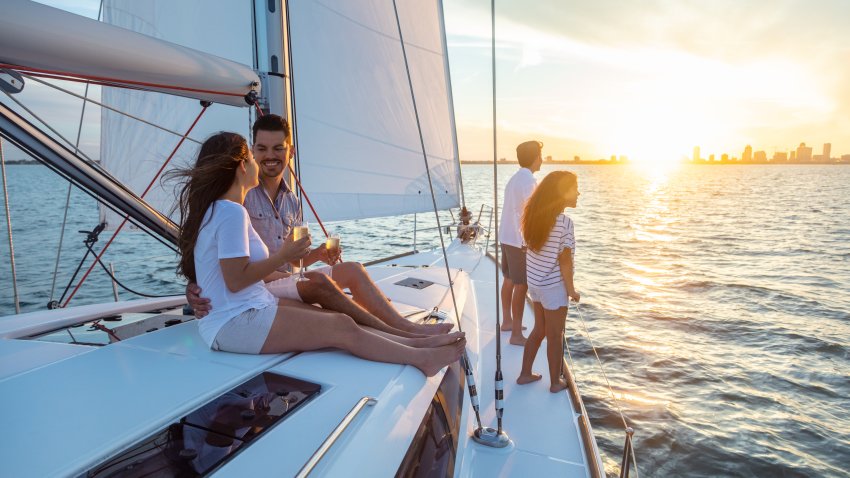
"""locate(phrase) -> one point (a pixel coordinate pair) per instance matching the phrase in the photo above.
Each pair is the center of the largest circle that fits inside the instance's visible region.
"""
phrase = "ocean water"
(716, 297)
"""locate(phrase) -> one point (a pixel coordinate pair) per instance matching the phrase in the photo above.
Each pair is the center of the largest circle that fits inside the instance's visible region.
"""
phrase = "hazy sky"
(655, 77)
(648, 79)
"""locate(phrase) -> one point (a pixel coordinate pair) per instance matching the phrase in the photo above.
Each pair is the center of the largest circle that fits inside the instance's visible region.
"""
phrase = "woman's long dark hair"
(200, 186)
(543, 207)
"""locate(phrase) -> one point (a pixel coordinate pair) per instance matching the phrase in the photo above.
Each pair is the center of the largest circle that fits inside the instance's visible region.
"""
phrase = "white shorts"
(287, 288)
(247, 332)
(552, 298)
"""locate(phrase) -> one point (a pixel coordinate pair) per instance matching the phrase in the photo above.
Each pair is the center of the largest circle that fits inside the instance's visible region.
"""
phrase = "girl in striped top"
(550, 239)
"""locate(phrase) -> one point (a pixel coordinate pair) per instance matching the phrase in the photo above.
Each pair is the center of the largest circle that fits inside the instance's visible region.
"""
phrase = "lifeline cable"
(629, 430)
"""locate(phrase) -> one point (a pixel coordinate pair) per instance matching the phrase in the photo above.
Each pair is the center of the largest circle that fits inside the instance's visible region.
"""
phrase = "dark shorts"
(513, 264)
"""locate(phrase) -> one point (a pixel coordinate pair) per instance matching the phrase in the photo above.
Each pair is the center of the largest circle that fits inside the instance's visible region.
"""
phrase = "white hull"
(75, 407)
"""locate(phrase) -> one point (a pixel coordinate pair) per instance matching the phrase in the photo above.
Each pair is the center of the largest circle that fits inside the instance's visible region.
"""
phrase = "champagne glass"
(297, 233)
(332, 246)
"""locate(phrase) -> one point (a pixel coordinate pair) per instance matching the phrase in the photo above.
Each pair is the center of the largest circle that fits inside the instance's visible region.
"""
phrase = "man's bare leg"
(517, 309)
(320, 289)
(353, 276)
(299, 327)
(507, 294)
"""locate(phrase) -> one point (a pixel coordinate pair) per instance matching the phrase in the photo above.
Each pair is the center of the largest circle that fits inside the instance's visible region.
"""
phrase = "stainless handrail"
(334, 436)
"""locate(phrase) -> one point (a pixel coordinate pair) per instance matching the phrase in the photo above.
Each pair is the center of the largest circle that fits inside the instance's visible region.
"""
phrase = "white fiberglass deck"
(544, 430)
(75, 407)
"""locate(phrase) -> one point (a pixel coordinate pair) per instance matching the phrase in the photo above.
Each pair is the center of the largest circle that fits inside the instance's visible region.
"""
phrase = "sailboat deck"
(95, 402)
(543, 428)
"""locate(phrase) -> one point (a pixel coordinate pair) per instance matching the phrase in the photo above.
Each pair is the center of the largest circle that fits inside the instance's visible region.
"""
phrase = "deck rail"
(334, 436)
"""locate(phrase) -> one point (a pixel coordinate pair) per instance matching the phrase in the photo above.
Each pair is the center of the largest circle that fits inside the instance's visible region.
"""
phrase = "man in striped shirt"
(517, 191)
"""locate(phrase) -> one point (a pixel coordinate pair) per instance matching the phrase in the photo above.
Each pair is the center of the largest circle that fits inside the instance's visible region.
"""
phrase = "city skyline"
(652, 79)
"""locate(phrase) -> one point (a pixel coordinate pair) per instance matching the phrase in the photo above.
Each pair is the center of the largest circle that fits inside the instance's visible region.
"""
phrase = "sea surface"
(717, 298)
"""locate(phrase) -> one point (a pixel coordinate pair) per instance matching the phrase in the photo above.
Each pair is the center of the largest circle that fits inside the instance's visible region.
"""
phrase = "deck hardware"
(334, 436)
(414, 283)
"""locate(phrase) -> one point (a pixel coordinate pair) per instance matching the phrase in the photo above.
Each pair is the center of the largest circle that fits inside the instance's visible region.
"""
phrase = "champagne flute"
(332, 246)
(297, 233)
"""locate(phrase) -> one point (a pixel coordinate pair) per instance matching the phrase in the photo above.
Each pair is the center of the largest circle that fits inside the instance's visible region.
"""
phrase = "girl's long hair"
(543, 207)
(200, 186)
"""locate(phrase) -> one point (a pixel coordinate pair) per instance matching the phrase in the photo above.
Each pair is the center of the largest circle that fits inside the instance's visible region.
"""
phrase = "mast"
(273, 64)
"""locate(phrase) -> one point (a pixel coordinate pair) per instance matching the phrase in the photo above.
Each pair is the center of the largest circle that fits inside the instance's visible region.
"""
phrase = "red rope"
(298, 183)
(96, 324)
(126, 218)
(106, 81)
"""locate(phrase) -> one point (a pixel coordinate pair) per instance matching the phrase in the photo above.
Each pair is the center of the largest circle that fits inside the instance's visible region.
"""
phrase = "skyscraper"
(696, 154)
(804, 153)
(827, 150)
(748, 154)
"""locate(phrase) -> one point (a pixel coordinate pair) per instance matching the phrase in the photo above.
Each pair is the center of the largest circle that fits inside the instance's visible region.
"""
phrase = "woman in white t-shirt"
(222, 253)
(550, 238)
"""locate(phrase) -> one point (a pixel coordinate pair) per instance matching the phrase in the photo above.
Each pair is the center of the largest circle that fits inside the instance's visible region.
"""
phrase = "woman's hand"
(574, 295)
(292, 250)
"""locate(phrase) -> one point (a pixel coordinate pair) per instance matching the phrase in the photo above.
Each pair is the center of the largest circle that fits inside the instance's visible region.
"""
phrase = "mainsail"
(133, 151)
(359, 151)
(358, 144)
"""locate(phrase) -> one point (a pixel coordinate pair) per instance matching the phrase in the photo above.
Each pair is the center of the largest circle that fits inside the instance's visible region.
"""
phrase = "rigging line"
(451, 100)
(425, 158)
(292, 111)
(601, 369)
(112, 276)
(68, 195)
(58, 134)
(102, 105)
(496, 213)
(119, 83)
(9, 228)
(629, 444)
(464, 358)
(127, 217)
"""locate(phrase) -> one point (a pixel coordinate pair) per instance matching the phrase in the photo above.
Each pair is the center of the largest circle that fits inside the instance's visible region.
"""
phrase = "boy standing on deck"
(517, 191)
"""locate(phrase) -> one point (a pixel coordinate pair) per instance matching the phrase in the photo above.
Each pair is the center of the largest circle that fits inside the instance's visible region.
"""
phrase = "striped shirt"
(273, 221)
(542, 267)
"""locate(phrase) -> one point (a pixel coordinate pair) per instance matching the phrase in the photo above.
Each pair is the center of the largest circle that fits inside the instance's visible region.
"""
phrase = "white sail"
(134, 152)
(358, 146)
(38, 37)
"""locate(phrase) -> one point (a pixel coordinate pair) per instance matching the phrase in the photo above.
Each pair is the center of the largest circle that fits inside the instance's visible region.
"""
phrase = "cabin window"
(434, 448)
(213, 434)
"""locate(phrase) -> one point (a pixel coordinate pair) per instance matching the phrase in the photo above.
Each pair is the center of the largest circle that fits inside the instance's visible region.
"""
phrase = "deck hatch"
(414, 283)
(211, 435)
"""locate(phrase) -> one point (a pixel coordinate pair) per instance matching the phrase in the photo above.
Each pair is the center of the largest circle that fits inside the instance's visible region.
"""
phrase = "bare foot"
(517, 340)
(558, 387)
(438, 340)
(434, 359)
(532, 377)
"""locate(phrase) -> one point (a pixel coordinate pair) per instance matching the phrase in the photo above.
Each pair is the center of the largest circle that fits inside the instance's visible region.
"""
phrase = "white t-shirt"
(226, 233)
(517, 192)
(542, 267)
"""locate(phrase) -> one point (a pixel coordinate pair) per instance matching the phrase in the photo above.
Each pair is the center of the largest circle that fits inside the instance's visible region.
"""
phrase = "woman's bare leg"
(555, 320)
(532, 345)
(353, 276)
(299, 327)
